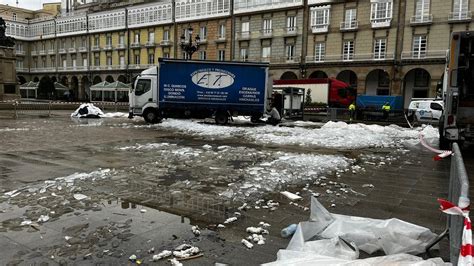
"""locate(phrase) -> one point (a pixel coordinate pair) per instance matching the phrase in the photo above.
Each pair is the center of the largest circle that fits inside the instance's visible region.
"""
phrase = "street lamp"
(187, 44)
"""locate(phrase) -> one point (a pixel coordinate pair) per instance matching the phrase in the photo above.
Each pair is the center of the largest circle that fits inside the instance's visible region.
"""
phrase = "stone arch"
(54, 79)
(21, 79)
(109, 79)
(97, 79)
(122, 79)
(36, 79)
(416, 84)
(63, 80)
(377, 83)
(318, 74)
(289, 75)
(74, 86)
(348, 76)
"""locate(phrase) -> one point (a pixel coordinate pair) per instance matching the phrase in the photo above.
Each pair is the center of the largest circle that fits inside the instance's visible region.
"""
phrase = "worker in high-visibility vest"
(386, 110)
(352, 108)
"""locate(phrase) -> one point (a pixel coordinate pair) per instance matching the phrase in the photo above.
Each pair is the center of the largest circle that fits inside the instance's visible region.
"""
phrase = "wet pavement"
(101, 190)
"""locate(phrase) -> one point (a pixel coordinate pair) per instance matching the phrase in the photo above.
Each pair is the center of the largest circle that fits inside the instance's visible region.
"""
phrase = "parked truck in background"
(200, 89)
(328, 91)
(457, 122)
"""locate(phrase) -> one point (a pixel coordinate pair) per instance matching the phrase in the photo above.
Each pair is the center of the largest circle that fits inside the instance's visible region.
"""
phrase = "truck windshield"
(143, 86)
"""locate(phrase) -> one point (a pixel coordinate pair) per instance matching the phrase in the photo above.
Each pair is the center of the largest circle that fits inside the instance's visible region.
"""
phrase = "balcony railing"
(243, 35)
(19, 52)
(95, 48)
(381, 22)
(72, 68)
(320, 28)
(266, 33)
(349, 25)
(120, 46)
(273, 59)
(51, 51)
(72, 50)
(62, 50)
(221, 38)
(150, 44)
(252, 5)
(423, 19)
(166, 43)
(22, 69)
(42, 52)
(428, 54)
(135, 45)
(34, 53)
(140, 66)
(83, 49)
(291, 30)
(108, 47)
(460, 16)
(349, 58)
(43, 69)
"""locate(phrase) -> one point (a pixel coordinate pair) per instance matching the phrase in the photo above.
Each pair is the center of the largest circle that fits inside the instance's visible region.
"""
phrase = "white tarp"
(87, 110)
(325, 238)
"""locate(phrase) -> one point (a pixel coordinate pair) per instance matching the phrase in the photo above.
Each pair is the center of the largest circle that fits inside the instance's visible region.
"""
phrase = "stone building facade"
(381, 47)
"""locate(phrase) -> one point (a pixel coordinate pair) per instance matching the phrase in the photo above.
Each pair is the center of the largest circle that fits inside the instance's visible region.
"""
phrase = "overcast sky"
(28, 4)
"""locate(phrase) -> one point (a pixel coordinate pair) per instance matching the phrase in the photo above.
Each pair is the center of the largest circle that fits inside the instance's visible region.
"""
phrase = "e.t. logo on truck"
(212, 78)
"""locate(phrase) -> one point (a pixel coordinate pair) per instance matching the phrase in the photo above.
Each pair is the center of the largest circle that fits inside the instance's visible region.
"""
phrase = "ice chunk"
(290, 196)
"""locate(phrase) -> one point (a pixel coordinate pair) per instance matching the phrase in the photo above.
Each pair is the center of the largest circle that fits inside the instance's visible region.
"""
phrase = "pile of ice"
(87, 110)
(338, 135)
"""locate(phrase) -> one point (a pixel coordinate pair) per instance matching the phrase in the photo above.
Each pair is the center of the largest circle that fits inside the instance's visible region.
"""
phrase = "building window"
(319, 51)
(380, 48)
(203, 33)
(202, 55)
(350, 19)
(422, 78)
(291, 24)
(122, 61)
(84, 62)
(151, 37)
(151, 59)
(266, 52)
(221, 31)
(73, 43)
(381, 11)
(43, 62)
(137, 59)
(245, 29)
(419, 46)
(422, 10)
(460, 9)
(53, 62)
(63, 43)
(244, 54)
(137, 38)
(122, 39)
(166, 35)
(14, 16)
(290, 52)
(109, 40)
(96, 61)
(267, 26)
(109, 60)
(166, 55)
(221, 55)
(320, 18)
(84, 42)
(348, 50)
(96, 41)
(64, 63)
(74, 63)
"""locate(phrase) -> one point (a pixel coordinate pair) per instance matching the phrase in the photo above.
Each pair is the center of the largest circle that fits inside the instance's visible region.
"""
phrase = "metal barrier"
(31, 108)
(458, 194)
(338, 114)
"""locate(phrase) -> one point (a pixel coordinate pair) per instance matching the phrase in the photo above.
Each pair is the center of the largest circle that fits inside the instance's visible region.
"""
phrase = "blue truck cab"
(189, 88)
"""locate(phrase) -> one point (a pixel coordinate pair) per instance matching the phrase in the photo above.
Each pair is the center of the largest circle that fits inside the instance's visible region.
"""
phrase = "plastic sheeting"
(333, 239)
(87, 110)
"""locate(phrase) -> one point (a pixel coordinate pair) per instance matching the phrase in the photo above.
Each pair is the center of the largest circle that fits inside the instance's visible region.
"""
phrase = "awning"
(117, 86)
(99, 86)
(29, 86)
(60, 87)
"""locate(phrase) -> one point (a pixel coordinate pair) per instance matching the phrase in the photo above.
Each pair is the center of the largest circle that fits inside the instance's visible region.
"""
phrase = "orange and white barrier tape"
(441, 153)
(466, 251)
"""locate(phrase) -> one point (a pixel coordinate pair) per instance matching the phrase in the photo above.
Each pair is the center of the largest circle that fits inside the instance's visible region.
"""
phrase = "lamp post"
(187, 44)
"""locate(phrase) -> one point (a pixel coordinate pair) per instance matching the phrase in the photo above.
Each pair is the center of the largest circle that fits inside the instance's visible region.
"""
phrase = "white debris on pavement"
(290, 196)
(80, 196)
(175, 262)
(186, 252)
(163, 254)
(256, 230)
(195, 230)
(43, 219)
(87, 110)
(247, 243)
(230, 220)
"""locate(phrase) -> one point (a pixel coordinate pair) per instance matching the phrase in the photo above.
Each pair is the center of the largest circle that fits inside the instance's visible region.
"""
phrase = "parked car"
(425, 110)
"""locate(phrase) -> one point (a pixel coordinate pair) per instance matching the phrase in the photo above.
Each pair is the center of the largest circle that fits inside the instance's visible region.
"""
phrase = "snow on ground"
(8, 129)
(337, 135)
(115, 115)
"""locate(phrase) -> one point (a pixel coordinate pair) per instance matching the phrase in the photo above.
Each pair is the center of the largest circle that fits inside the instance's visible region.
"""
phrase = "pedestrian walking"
(352, 109)
(386, 110)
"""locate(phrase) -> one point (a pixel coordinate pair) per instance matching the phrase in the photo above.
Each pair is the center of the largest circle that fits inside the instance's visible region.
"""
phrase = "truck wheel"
(221, 118)
(151, 116)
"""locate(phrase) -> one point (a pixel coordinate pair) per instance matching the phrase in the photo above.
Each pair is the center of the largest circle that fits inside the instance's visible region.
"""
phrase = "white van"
(425, 110)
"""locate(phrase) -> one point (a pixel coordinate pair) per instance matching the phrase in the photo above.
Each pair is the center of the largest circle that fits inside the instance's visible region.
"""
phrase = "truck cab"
(142, 97)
